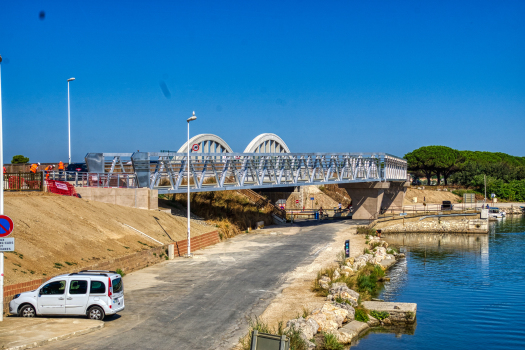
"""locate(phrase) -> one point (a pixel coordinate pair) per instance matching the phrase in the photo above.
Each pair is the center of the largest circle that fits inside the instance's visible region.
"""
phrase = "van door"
(118, 293)
(77, 297)
(51, 298)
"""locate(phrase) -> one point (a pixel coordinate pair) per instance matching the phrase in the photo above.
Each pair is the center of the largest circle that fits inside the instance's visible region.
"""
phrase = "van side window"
(78, 287)
(53, 288)
(97, 287)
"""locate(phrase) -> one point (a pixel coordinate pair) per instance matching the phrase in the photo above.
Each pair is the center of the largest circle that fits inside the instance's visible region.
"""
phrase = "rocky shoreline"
(343, 314)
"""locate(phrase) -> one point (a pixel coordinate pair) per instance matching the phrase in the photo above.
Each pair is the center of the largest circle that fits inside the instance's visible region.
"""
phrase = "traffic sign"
(296, 201)
(7, 244)
(6, 226)
(311, 198)
(195, 147)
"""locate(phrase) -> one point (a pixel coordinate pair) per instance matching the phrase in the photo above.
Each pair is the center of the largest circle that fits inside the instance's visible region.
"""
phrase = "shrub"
(120, 272)
(19, 159)
(366, 251)
(365, 230)
(330, 342)
(361, 315)
(380, 315)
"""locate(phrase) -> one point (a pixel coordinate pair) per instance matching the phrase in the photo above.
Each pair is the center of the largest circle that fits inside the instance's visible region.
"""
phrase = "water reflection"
(466, 293)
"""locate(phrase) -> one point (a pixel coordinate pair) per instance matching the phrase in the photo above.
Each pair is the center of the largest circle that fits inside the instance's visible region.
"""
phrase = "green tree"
(19, 159)
(438, 160)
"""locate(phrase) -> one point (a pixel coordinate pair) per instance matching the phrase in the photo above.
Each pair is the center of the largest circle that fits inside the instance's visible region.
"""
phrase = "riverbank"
(467, 223)
(319, 302)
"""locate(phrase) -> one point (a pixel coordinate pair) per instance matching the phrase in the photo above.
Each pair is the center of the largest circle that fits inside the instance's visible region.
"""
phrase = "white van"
(93, 293)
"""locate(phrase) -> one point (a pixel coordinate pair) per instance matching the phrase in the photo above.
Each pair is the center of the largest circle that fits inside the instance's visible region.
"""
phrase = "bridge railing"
(108, 180)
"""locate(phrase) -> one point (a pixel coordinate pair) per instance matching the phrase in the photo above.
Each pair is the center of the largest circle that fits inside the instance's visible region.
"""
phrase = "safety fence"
(61, 187)
(78, 179)
(23, 181)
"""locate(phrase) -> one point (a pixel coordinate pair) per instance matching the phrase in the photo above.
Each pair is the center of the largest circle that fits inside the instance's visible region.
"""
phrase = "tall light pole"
(193, 117)
(69, 120)
(1, 198)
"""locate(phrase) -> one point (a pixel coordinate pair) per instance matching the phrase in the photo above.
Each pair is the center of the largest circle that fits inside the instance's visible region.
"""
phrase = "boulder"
(329, 318)
(349, 261)
(347, 307)
(347, 271)
(336, 275)
(380, 251)
(350, 331)
(342, 291)
(306, 327)
(372, 321)
(324, 282)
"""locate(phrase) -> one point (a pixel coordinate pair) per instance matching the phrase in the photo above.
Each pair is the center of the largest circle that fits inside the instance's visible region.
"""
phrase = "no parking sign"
(6, 226)
(195, 147)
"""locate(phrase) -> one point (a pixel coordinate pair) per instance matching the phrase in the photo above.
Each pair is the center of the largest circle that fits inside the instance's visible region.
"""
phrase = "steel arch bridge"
(265, 163)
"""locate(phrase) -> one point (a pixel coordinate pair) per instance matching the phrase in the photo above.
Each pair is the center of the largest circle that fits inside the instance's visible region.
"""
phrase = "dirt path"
(297, 294)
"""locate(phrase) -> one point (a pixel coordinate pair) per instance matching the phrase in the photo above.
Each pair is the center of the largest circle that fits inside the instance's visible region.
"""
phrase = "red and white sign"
(6, 226)
(296, 201)
(195, 147)
(61, 186)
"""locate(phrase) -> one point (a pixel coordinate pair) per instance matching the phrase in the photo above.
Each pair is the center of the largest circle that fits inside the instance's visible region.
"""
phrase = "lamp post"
(1, 198)
(69, 120)
(193, 117)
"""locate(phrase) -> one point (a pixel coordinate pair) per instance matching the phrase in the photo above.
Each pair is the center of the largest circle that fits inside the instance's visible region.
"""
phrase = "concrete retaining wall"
(142, 198)
(435, 225)
(127, 263)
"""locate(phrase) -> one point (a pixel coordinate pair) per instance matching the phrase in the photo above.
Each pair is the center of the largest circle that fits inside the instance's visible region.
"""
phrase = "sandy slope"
(431, 196)
(53, 229)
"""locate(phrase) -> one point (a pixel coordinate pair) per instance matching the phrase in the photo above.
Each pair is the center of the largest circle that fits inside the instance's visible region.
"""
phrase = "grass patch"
(368, 278)
(120, 272)
(58, 266)
(70, 263)
(361, 315)
(380, 315)
(375, 244)
(341, 257)
(330, 342)
(391, 251)
(306, 312)
(365, 230)
(366, 251)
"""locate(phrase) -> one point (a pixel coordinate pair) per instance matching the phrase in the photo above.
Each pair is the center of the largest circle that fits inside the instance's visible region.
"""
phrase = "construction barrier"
(23, 181)
(61, 187)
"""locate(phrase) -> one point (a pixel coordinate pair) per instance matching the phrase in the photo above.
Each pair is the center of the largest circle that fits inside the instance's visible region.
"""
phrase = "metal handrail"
(104, 180)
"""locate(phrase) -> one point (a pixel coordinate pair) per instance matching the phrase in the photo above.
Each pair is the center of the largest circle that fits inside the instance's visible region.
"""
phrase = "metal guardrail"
(23, 181)
(107, 180)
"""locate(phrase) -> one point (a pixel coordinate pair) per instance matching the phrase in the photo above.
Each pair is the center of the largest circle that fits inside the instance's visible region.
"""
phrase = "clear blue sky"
(326, 76)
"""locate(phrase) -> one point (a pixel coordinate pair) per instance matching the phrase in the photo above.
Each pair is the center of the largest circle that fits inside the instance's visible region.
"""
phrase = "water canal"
(470, 290)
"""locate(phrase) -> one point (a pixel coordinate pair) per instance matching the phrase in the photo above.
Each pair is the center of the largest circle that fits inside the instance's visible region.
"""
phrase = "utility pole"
(193, 117)
(1, 199)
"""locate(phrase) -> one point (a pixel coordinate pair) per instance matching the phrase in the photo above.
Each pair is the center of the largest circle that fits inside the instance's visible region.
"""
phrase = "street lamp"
(193, 117)
(1, 197)
(69, 120)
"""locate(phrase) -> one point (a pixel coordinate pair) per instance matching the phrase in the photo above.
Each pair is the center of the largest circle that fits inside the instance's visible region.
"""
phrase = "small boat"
(496, 213)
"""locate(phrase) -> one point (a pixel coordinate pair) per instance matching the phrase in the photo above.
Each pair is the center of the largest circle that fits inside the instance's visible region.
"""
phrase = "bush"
(120, 272)
(330, 342)
(380, 315)
(365, 230)
(361, 315)
(19, 159)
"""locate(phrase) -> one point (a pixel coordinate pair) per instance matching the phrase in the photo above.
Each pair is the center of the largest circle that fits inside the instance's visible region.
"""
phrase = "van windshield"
(117, 285)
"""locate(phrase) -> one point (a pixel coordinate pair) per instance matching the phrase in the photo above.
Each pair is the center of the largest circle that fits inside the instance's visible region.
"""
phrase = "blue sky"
(326, 76)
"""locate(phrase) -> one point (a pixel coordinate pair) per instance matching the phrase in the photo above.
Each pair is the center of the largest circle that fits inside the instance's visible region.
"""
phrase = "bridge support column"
(394, 196)
(367, 198)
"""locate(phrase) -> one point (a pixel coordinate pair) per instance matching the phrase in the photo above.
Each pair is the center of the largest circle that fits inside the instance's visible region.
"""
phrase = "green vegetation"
(365, 230)
(505, 174)
(330, 343)
(366, 251)
(391, 251)
(58, 266)
(296, 342)
(380, 315)
(19, 159)
(70, 263)
(120, 272)
(361, 315)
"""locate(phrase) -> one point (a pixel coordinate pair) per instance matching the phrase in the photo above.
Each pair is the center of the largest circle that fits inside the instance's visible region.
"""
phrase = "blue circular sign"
(6, 226)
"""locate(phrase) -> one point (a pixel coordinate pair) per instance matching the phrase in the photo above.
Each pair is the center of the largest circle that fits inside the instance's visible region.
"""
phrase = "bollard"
(171, 252)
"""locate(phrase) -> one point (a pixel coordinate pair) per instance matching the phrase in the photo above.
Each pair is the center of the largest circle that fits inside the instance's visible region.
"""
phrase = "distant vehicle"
(447, 205)
(95, 294)
(496, 213)
(77, 167)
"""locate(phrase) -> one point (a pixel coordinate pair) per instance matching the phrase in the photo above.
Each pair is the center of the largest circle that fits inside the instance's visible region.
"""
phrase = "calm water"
(470, 290)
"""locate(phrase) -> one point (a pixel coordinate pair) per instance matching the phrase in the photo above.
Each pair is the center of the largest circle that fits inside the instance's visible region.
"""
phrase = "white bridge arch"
(208, 143)
(267, 143)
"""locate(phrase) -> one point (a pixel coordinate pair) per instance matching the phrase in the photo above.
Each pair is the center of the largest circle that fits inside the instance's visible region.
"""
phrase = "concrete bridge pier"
(394, 195)
(367, 198)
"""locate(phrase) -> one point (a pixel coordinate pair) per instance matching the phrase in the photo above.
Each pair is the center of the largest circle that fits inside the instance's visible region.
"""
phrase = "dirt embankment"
(429, 196)
(56, 232)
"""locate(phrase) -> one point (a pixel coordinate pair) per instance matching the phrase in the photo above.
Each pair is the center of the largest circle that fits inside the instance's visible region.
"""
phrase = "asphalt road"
(203, 303)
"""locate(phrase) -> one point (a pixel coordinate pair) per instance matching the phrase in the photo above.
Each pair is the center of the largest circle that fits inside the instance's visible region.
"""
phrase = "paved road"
(203, 303)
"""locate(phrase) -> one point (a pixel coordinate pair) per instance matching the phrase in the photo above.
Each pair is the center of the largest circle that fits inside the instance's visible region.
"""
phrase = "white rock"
(336, 275)
(329, 317)
(307, 327)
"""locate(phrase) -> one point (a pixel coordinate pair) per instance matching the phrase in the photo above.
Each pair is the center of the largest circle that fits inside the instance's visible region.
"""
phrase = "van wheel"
(27, 311)
(96, 313)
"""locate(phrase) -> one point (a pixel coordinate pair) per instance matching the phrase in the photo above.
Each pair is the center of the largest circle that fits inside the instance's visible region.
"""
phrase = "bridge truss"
(167, 172)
